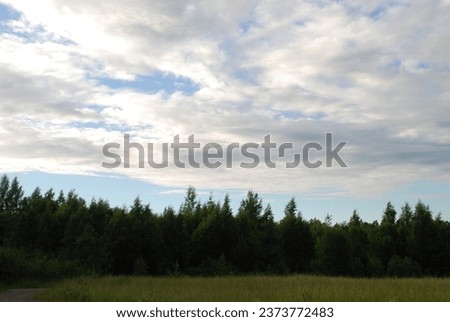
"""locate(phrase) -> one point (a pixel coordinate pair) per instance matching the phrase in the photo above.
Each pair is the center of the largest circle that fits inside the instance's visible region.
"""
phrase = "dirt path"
(20, 295)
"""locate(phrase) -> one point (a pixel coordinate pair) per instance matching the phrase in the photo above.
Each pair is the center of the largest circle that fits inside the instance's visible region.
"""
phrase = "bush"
(13, 264)
(375, 267)
(140, 266)
(403, 267)
(213, 267)
(18, 264)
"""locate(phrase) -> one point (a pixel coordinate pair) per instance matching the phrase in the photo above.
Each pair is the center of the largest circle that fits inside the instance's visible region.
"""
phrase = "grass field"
(298, 288)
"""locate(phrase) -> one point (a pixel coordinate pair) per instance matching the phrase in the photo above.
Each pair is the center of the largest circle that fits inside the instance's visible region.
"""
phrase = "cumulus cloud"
(375, 74)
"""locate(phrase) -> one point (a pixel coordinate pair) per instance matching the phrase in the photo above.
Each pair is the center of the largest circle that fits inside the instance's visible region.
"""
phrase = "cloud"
(182, 192)
(77, 75)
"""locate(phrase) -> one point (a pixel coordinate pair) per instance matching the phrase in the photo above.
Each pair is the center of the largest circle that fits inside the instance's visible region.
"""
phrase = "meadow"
(295, 288)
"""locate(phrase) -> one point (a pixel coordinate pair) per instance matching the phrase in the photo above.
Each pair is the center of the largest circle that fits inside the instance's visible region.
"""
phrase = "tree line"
(49, 235)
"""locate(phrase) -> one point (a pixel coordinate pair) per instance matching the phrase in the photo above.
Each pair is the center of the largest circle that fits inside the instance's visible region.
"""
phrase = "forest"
(49, 235)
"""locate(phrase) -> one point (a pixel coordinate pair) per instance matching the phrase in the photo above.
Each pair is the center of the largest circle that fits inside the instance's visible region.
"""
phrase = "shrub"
(140, 266)
(403, 267)
(17, 264)
(13, 264)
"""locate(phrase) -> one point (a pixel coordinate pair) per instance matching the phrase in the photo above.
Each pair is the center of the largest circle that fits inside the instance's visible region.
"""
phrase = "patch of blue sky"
(340, 82)
(118, 190)
(166, 82)
(245, 26)
(320, 205)
(60, 40)
(89, 125)
(4, 28)
(377, 13)
(97, 108)
(432, 193)
(104, 125)
(231, 50)
(122, 128)
(396, 63)
(381, 10)
(423, 65)
(297, 115)
(38, 34)
(8, 13)
(300, 22)
(246, 75)
(371, 208)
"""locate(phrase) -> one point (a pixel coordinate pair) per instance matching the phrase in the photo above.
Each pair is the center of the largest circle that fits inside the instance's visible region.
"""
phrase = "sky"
(78, 75)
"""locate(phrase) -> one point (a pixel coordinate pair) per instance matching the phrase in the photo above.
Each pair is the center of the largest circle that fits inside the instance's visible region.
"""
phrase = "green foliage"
(387, 235)
(403, 267)
(18, 264)
(357, 241)
(247, 251)
(13, 198)
(214, 267)
(4, 188)
(13, 264)
(47, 235)
(214, 235)
(175, 241)
(374, 267)
(296, 239)
(332, 252)
(140, 266)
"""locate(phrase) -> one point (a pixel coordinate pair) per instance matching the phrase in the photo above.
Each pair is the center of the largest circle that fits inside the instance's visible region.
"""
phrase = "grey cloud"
(375, 74)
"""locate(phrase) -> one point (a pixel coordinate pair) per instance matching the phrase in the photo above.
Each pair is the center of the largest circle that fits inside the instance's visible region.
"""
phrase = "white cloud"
(376, 74)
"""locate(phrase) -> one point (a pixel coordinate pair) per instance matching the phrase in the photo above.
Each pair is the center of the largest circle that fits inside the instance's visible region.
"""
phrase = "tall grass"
(298, 288)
